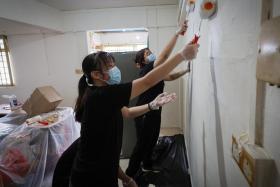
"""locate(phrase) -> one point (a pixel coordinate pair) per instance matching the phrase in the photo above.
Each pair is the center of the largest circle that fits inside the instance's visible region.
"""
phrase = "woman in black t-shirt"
(100, 107)
(148, 125)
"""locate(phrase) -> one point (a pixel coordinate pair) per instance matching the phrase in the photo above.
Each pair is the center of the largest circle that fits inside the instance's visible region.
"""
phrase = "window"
(117, 40)
(123, 48)
(5, 68)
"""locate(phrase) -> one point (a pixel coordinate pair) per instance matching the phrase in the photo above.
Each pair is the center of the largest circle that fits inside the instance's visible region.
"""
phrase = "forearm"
(136, 111)
(176, 75)
(122, 176)
(163, 56)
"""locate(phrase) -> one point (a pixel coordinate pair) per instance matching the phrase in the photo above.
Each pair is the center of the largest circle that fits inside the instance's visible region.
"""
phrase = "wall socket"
(236, 146)
(253, 161)
(236, 150)
(256, 165)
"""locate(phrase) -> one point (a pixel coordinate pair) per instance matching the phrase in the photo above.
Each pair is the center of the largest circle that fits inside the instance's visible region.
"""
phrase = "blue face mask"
(115, 76)
(151, 57)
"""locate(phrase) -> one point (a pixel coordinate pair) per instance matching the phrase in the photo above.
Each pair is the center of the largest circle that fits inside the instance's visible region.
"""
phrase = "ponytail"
(79, 106)
(94, 61)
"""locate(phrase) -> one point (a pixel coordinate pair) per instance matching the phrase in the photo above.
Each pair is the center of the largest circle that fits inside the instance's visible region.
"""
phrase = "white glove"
(183, 28)
(130, 183)
(189, 52)
(161, 100)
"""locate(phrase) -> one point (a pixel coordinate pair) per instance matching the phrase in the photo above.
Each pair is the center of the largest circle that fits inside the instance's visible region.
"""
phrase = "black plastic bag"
(170, 158)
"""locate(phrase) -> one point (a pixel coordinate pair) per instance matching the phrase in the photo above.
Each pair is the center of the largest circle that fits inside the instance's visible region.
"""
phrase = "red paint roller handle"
(195, 39)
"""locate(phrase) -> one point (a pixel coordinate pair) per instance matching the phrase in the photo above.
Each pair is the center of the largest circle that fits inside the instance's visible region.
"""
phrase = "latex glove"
(130, 183)
(189, 52)
(161, 100)
(183, 28)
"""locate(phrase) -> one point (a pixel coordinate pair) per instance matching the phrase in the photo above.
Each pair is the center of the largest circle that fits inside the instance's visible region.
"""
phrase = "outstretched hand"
(161, 100)
(183, 28)
(189, 52)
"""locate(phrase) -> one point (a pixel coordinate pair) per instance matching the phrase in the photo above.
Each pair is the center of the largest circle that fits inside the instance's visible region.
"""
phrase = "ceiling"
(68, 5)
(9, 27)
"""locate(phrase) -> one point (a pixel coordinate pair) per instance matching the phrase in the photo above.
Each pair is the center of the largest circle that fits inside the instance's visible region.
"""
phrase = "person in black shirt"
(100, 107)
(62, 170)
(64, 165)
(148, 125)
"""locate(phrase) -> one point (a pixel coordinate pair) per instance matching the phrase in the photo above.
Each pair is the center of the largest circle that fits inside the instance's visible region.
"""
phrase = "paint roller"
(186, 11)
(207, 10)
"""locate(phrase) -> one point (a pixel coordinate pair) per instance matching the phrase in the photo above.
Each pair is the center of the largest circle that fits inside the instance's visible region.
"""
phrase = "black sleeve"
(150, 66)
(119, 94)
(146, 69)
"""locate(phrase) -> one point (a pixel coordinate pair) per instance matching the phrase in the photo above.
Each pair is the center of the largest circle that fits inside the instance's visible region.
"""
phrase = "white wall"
(223, 94)
(52, 59)
(31, 12)
(116, 18)
(40, 60)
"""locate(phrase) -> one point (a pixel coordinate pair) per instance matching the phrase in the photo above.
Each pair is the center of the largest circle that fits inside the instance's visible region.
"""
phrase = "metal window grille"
(6, 78)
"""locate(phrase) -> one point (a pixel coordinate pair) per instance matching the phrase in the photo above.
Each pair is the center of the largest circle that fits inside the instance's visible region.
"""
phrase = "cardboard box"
(42, 100)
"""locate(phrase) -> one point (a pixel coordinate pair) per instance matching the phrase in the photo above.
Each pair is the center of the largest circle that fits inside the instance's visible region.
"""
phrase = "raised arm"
(157, 74)
(178, 74)
(165, 53)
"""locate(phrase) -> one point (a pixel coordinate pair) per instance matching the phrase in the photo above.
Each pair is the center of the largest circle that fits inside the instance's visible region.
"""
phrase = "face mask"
(151, 57)
(115, 76)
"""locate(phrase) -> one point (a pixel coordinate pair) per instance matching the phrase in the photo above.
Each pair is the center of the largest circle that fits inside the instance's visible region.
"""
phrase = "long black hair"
(95, 61)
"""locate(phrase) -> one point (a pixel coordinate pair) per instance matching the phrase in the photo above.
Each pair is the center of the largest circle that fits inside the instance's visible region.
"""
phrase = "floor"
(170, 131)
(163, 132)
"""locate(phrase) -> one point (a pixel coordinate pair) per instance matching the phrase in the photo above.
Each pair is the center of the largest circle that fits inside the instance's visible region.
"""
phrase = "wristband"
(149, 106)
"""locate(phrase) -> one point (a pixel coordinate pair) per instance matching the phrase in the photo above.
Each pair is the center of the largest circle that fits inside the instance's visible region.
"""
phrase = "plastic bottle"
(13, 102)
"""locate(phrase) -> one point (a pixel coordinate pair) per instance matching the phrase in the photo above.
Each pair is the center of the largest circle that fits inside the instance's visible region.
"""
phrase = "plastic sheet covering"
(29, 154)
(16, 118)
(10, 122)
(6, 129)
(170, 158)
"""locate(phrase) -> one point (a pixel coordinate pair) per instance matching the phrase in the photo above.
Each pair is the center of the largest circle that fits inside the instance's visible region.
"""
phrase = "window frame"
(6, 50)
(119, 46)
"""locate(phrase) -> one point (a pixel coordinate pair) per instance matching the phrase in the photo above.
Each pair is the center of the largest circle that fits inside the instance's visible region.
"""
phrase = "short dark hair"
(139, 59)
